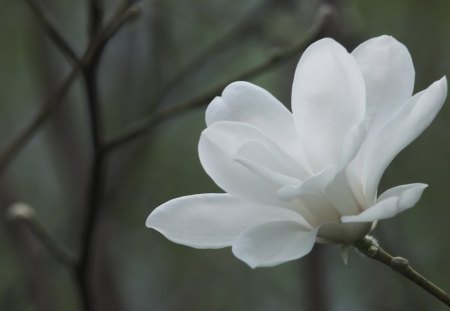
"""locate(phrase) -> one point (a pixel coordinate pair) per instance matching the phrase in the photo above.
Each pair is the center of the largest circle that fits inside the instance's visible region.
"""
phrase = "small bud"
(133, 12)
(400, 264)
(372, 251)
(372, 240)
(19, 211)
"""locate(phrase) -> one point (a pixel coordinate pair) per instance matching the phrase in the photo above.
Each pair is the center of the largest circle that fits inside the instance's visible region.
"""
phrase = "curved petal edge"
(212, 220)
(273, 243)
(390, 203)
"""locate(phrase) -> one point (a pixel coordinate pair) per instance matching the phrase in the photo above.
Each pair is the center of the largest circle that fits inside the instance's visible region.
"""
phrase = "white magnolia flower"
(293, 179)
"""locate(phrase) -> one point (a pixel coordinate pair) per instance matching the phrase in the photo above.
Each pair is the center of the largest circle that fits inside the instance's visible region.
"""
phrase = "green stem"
(370, 247)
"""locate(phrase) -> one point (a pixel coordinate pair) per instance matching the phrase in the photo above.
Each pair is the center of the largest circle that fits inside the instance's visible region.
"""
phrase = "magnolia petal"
(341, 196)
(382, 145)
(408, 195)
(352, 142)
(267, 173)
(212, 220)
(272, 158)
(314, 183)
(273, 243)
(328, 99)
(342, 233)
(388, 73)
(218, 146)
(245, 102)
(251, 104)
(390, 203)
(310, 199)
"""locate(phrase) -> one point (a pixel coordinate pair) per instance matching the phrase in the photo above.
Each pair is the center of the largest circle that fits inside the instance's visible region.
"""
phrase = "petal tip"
(148, 221)
(441, 84)
(444, 84)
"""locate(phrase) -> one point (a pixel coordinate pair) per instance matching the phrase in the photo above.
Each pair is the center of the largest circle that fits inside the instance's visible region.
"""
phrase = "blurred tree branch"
(51, 29)
(25, 214)
(28, 131)
(245, 21)
(142, 126)
(370, 247)
(87, 66)
(95, 184)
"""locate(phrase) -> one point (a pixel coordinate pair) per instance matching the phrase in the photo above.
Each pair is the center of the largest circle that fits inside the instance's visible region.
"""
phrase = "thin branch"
(95, 18)
(370, 247)
(51, 29)
(236, 30)
(140, 127)
(28, 131)
(123, 13)
(90, 70)
(26, 215)
(96, 175)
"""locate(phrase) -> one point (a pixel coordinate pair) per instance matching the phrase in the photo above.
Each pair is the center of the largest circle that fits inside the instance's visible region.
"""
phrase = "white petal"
(352, 142)
(273, 243)
(390, 203)
(382, 145)
(251, 104)
(342, 233)
(245, 102)
(388, 73)
(341, 195)
(273, 159)
(212, 220)
(328, 99)
(267, 173)
(310, 200)
(218, 147)
(408, 195)
(316, 183)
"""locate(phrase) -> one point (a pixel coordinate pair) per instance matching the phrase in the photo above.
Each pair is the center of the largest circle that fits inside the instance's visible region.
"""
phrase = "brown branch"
(20, 212)
(28, 131)
(95, 180)
(142, 126)
(370, 247)
(51, 29)
(245, 21)
(95, 13)
(95, 184)
(90, 220)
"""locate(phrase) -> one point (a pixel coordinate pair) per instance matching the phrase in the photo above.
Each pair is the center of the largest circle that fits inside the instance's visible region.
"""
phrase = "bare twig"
(25, 214)
(140, 127)
(231, 34)
(90, 220)
(95, 18)
(370, 247)
(96, 176)
(28, 131)
(51, 29)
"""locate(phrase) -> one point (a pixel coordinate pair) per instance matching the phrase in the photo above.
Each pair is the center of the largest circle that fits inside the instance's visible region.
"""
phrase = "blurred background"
(173, 53)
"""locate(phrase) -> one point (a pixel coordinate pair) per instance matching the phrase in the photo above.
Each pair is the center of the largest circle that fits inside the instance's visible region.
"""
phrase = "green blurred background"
(138, 269)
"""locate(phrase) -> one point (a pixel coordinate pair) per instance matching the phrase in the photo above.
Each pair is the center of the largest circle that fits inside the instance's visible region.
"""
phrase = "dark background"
(135, 268)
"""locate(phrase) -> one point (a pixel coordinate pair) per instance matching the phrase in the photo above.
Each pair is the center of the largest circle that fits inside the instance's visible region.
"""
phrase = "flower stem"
(370, 247)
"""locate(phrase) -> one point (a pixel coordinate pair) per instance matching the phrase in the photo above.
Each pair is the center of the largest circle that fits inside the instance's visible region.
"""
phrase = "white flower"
(293, 179)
